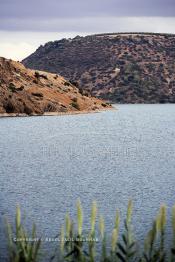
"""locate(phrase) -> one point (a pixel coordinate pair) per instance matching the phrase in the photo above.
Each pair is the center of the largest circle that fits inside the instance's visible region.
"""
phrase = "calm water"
(46, 163)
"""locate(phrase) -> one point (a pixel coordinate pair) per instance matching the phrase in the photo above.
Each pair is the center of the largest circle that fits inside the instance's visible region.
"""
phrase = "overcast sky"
(25, 24)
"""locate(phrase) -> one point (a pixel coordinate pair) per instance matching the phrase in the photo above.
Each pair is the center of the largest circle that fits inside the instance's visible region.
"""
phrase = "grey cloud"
(80, 8)
(91, 24)
(79, 15)
(19, 44)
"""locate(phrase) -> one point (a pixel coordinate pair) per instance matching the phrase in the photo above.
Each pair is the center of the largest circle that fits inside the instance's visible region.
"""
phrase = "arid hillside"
(30, 92)
(123, 68)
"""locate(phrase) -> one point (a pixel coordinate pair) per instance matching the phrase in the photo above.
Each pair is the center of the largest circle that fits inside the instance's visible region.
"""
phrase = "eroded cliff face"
(30, 92)
(123, 68)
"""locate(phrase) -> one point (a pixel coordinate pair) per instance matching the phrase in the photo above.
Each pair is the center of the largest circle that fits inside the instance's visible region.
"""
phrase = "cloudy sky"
(25, 24)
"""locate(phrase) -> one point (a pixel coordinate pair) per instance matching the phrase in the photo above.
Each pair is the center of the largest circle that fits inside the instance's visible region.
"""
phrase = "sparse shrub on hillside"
(104, 105)
(74, 99)
(81, 91)
(9, 108)
(50, 107)
(21, 88)
(75, 105)
(66, 83)
(37, 94)
(12, 87)
(74, 83)
(132, 67)
(27, 110)
(44, 76)
(35, 81)
(38, 75)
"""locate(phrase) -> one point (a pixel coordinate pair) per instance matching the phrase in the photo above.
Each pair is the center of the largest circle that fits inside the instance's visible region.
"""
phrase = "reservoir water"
(47, 163)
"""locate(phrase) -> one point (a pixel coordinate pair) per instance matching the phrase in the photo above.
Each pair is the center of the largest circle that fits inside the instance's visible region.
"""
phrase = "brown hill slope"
(25, 91)
(124, 68)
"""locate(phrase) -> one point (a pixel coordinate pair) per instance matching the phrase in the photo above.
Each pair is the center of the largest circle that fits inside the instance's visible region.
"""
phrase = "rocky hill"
(123, 68)
(30, 92)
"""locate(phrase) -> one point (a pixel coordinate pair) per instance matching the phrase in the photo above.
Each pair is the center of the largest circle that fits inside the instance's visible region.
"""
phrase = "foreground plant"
(22, 248)
(127, 248)
(173, 226)
(78, 245)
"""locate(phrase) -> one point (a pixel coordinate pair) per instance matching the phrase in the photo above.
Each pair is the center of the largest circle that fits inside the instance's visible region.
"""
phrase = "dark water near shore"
(46, 163)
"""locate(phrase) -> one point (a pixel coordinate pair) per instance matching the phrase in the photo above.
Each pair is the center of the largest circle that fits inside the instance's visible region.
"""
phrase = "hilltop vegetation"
(123, 68)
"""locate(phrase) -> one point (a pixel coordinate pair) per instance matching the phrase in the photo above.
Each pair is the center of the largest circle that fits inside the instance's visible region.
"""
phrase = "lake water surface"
(47, 163)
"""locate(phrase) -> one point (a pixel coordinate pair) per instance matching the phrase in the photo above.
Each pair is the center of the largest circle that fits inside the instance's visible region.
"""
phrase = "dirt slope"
(25, 91)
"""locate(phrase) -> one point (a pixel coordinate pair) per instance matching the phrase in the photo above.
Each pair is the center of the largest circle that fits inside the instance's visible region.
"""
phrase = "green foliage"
(127, 247)
(67, 83)
(74, 99)
(21, 249)
(77, 245)
(154, 249)
(75, 105)
(79, 217)
(12, 87)
(173, 226)
(104, 105)
(38, 75)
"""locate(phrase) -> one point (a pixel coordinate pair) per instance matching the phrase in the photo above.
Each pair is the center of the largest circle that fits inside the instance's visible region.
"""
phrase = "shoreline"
(5, 115)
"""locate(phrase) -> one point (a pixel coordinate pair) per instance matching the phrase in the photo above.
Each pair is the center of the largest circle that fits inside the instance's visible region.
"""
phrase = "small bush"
(38, 75)
(35, 81)
(74, 83)
(21, 88)
(9, 107)
(67, 84)
(104, 105)
(12, 87)
(44, 76)
(74, 99)
(37, 94)
(75, 105)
